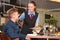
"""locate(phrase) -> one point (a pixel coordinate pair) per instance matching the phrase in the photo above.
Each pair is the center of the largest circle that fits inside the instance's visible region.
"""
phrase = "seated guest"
(11, 27)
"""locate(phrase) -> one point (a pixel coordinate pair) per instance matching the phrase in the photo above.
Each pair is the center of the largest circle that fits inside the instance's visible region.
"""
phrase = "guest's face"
(15, 15)
(31, 7)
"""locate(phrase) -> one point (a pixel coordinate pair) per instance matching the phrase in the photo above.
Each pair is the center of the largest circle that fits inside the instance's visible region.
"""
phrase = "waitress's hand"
(36, 25)
(20, 23)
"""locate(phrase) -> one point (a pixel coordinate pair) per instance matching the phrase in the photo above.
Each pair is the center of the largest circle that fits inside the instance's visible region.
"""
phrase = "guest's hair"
(11, 11)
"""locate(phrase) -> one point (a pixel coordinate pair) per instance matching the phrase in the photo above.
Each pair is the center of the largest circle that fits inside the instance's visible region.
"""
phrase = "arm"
(22, 17)
(11, 32)
(20, 23)
(37, 21)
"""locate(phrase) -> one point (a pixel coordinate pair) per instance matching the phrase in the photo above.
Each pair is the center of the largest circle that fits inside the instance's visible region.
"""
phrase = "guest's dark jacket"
(11, 29)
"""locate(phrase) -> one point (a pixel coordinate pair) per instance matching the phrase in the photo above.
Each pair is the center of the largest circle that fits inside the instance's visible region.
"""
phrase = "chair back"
(4, 36)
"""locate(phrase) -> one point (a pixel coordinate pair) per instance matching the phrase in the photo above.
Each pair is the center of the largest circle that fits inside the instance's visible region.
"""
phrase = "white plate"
(31, 34)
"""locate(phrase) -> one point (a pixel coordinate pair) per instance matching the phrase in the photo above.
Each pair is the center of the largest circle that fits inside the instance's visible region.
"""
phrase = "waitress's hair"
(33, 4)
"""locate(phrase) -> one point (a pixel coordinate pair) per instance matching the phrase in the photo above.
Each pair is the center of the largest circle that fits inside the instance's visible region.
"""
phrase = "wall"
(6, 1)
(42, 13)
(57, 17)
(42, 16)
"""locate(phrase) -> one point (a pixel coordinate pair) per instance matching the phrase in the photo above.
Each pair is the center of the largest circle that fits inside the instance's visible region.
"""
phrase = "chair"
(4, 37)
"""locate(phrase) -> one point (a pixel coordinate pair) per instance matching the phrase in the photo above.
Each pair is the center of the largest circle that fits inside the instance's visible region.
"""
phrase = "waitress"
(30, 18)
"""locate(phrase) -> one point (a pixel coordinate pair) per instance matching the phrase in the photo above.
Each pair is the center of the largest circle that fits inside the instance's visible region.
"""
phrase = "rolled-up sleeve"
(38, 19)
(22, 17)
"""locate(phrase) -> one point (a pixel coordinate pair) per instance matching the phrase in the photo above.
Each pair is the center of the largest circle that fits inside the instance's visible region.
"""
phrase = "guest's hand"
(16, 39)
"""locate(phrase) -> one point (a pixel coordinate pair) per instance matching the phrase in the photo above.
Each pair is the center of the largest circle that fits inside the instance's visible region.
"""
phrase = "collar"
(29, 13)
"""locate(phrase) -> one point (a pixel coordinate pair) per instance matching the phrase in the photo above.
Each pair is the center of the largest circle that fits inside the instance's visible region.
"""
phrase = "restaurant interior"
(49, 11)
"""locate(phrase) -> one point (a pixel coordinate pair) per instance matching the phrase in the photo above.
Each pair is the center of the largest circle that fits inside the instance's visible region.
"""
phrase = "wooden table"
(46, 37)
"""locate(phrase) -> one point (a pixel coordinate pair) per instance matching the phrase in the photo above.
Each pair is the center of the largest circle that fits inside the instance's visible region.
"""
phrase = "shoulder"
(36, 12)
(9, 23)
(26, 12)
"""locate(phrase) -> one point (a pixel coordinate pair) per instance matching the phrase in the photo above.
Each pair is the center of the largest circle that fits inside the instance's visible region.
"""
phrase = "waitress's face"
(31, 7)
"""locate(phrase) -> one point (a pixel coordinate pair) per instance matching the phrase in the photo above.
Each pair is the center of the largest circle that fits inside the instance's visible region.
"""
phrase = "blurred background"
(48, 10)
